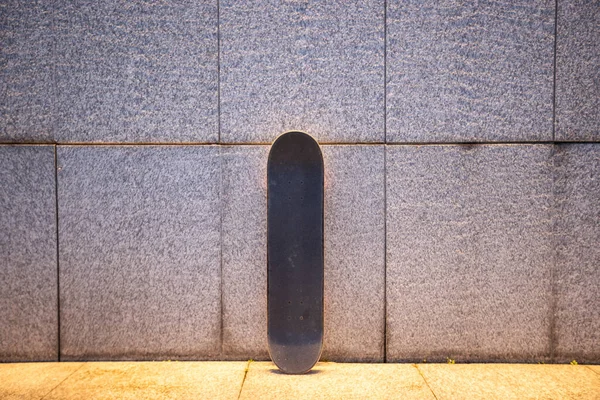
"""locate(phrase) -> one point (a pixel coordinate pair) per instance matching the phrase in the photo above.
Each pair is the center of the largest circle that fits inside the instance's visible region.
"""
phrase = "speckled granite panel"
(354, 253)
(469, 252)
(26, 85)
(136, 71)
(139, 236)
(245, 252)
(578, 71)
(28, 283)
(578, 261)
(302, 65)
(470, 71)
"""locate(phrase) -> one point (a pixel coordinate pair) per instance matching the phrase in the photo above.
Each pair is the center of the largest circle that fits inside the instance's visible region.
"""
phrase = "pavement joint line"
(244, 379)
(593, 370)
(425, 380)
(63, 381)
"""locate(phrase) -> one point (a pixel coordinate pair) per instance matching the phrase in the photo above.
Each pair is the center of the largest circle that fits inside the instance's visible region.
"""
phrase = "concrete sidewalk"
(262, 380)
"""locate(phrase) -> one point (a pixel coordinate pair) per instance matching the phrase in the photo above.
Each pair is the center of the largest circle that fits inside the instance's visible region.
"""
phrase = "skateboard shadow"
(278, 372)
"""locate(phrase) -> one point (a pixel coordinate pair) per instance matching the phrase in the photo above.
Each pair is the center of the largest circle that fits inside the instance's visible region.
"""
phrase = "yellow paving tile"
(32, 380)
(223, 380)
(336, 381)
(511, 381)
(153, 380)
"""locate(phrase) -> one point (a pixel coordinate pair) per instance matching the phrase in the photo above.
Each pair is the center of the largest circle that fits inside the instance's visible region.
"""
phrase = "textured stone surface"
(354, 253)
(469, 252)
(245, 251)
(28, 288)
(578, 260)
(577, 72)
(139, 252)
(160, 380)
(311, 65)
(136, 71)
(469, 71)
(498, 381)
(26, 85)
(336, 381)
(24, 381)
(208, 380)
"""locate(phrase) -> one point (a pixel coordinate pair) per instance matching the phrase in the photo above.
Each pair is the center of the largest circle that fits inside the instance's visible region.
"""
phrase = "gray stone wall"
(461, 143)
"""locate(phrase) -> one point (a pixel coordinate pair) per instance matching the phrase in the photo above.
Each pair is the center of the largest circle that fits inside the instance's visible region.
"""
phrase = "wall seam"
(385, 71)
(218, 71)
(385, 181)
(54, 78)
(222, 202)
(554, 71)
(53, 135)
(548, 142)
(385, 212)
(554, 207)
(56, 216)
(221, 177)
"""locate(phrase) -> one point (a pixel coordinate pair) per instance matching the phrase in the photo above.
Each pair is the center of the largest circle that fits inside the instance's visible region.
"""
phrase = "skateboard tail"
(305, 356)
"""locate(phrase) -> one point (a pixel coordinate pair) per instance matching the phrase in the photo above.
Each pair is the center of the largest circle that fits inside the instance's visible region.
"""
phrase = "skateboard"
(295, 252)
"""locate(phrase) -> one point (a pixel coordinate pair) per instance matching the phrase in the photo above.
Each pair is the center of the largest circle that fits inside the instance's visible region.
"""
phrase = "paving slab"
(140, 232)
(29, 381)
(469, 252)
(28, 265)
(153, 380)
(136, 72)
(336, 381)
(577, 235)
(311, 65)
(577, 72)
(470, 71)
(506, 381)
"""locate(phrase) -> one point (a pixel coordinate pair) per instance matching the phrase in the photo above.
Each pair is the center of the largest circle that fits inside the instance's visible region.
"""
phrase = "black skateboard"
(295, 252)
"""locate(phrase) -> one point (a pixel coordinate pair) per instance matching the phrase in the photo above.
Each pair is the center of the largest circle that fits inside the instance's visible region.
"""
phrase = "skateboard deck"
(295, 252)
